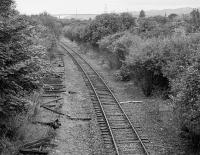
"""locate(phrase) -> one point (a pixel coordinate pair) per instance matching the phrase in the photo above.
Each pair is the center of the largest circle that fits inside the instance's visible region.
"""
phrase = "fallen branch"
(33, 151)
(55, 124)
(37, 143)
(69, 117)
(53, 101)
(132, 102)
(72, 92)
(54, 91)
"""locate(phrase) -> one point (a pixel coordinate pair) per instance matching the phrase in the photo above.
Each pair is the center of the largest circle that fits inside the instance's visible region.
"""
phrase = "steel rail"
(118, 103)
(104, 115)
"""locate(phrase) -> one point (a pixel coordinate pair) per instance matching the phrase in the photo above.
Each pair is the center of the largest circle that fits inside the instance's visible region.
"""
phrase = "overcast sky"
(98, 6)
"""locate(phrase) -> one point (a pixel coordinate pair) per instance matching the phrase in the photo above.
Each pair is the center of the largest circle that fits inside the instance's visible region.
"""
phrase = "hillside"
(178, 11)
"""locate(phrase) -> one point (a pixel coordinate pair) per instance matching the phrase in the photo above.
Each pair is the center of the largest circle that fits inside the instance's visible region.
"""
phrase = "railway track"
(119, 135)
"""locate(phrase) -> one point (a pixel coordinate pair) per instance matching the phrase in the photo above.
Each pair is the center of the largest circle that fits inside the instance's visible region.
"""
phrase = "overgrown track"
(51, 95)
(119, 135)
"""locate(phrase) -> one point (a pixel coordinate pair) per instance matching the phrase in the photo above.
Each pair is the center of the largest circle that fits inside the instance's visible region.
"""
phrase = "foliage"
(119, 44)
(24, 47)
(75, 32)
(172, 16)
(142, 14)
(23, 58)
(187, 100)
(123, 74)
(127, 21)
(103, 25)
(6, 7)
(52, 23)
(195, 19)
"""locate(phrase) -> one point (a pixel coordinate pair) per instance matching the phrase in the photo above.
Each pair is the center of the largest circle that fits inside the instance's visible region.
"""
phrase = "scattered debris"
(55, 91)
(56, 100)
(55, 124)
(132, 102)
(69, 117)
(33, 151)
(72, 92)
(36, 147)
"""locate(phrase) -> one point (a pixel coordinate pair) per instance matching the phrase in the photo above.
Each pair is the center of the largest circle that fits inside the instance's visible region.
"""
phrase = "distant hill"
(164, 12)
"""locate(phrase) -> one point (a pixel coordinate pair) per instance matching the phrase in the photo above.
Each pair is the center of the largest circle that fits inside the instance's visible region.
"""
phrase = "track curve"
(119, 135)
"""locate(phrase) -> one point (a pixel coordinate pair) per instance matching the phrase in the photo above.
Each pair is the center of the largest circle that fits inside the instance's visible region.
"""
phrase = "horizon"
(98, 7)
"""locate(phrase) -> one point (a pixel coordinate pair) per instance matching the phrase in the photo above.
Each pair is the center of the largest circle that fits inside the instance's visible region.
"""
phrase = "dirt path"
(76, 137)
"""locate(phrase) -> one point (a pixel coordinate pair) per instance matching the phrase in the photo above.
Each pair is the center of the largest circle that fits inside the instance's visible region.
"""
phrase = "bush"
(172, 63)
(103, 25)
(119, 44)
(123, 74)
(188, 102)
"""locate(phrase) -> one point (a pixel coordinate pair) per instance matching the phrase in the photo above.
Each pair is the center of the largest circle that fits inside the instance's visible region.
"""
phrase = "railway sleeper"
(113, 113)
(105, 130)
(105, 133)
(102, 124)
(107, 98)
(103, 94)
(111, 110)
(127, 140)
(98, 111)
(114, 120)
(107, 138)
(111, 103)
(117, 120)
(120, 127)
(101, 121)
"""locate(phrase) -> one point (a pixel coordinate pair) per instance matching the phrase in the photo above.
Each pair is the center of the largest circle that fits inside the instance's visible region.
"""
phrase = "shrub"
(187, 100)
(172, 63)
(103, 25)
(123, 74)
(119, 44)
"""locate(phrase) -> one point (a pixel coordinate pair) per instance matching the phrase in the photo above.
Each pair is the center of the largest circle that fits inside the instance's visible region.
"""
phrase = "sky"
(98, 6)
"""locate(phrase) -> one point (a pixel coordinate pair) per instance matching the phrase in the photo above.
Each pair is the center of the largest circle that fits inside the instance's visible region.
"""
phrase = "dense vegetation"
(159, 53)
(103, 25)
(25, 45)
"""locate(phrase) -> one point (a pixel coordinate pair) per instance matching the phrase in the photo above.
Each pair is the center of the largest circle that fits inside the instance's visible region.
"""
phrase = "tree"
(103, 25)
(5, 7)
(142, 14)
(127, 20)
(172, 16)
(195, 18)
(50, 22)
